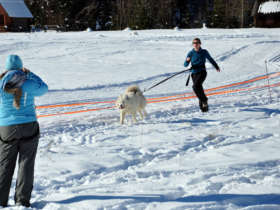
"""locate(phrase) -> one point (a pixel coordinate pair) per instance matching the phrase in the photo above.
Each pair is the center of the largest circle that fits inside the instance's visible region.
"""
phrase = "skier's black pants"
(198, 79)
(18, 141)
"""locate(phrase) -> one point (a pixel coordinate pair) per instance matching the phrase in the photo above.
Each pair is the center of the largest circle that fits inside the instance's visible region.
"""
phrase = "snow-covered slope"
(177, 158)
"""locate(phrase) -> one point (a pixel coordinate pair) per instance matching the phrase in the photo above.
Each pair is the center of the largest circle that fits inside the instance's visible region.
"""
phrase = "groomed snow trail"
(177, 158)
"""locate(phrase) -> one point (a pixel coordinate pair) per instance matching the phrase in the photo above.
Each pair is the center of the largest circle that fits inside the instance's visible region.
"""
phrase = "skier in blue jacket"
(197, 57)
(19, 130)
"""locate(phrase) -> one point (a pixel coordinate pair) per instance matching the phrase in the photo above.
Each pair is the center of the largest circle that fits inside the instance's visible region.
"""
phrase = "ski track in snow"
(177, 158)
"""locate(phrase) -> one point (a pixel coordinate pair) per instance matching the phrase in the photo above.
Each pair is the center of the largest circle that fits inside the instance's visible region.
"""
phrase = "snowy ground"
(177, 158)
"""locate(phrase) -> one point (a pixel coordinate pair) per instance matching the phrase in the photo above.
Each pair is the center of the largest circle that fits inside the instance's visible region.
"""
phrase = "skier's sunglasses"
(196, 42)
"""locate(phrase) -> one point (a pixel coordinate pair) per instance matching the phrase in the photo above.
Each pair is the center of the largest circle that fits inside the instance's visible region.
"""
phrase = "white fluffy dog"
(131, 102)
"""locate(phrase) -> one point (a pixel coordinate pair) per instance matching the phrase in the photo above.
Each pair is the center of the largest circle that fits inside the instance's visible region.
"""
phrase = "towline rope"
(157, 84)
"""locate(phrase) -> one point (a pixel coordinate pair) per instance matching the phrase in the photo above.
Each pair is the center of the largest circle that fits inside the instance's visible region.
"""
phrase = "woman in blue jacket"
(19, 130)
(197, 57)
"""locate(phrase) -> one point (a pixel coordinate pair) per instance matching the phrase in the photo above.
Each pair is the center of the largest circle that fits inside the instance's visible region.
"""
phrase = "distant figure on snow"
(19, 129)
(197, 57)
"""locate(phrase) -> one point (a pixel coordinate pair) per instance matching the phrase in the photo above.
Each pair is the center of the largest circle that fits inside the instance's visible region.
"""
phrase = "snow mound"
(127, 29)
(89, 29)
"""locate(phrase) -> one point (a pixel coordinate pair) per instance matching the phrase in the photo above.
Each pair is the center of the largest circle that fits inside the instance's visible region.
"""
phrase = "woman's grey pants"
(18, 141)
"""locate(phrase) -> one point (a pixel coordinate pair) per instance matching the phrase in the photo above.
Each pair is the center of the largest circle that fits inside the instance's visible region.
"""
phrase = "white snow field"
(177, 158)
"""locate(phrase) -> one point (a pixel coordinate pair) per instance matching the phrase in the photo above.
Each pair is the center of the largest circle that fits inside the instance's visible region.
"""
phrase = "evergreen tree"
(104, 17)
(182, 14)
(218, 19)
(142, 16)
(137, 14)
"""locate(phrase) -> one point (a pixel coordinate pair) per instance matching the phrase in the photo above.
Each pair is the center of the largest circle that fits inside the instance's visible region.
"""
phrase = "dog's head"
(133, 89)
(121, 101)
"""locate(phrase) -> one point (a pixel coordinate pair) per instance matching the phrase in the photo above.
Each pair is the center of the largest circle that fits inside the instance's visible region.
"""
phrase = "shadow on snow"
(266, 111)
(236, 199)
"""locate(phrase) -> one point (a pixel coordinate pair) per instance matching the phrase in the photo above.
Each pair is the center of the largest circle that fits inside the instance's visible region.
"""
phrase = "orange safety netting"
(165, 98)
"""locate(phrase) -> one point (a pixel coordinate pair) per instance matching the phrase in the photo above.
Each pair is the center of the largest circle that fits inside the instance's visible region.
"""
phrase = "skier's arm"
(212, 61)
(188, 60)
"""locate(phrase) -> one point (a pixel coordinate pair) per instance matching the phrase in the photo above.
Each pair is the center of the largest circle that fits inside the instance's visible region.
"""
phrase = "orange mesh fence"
(75, 112)
(164, 99)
